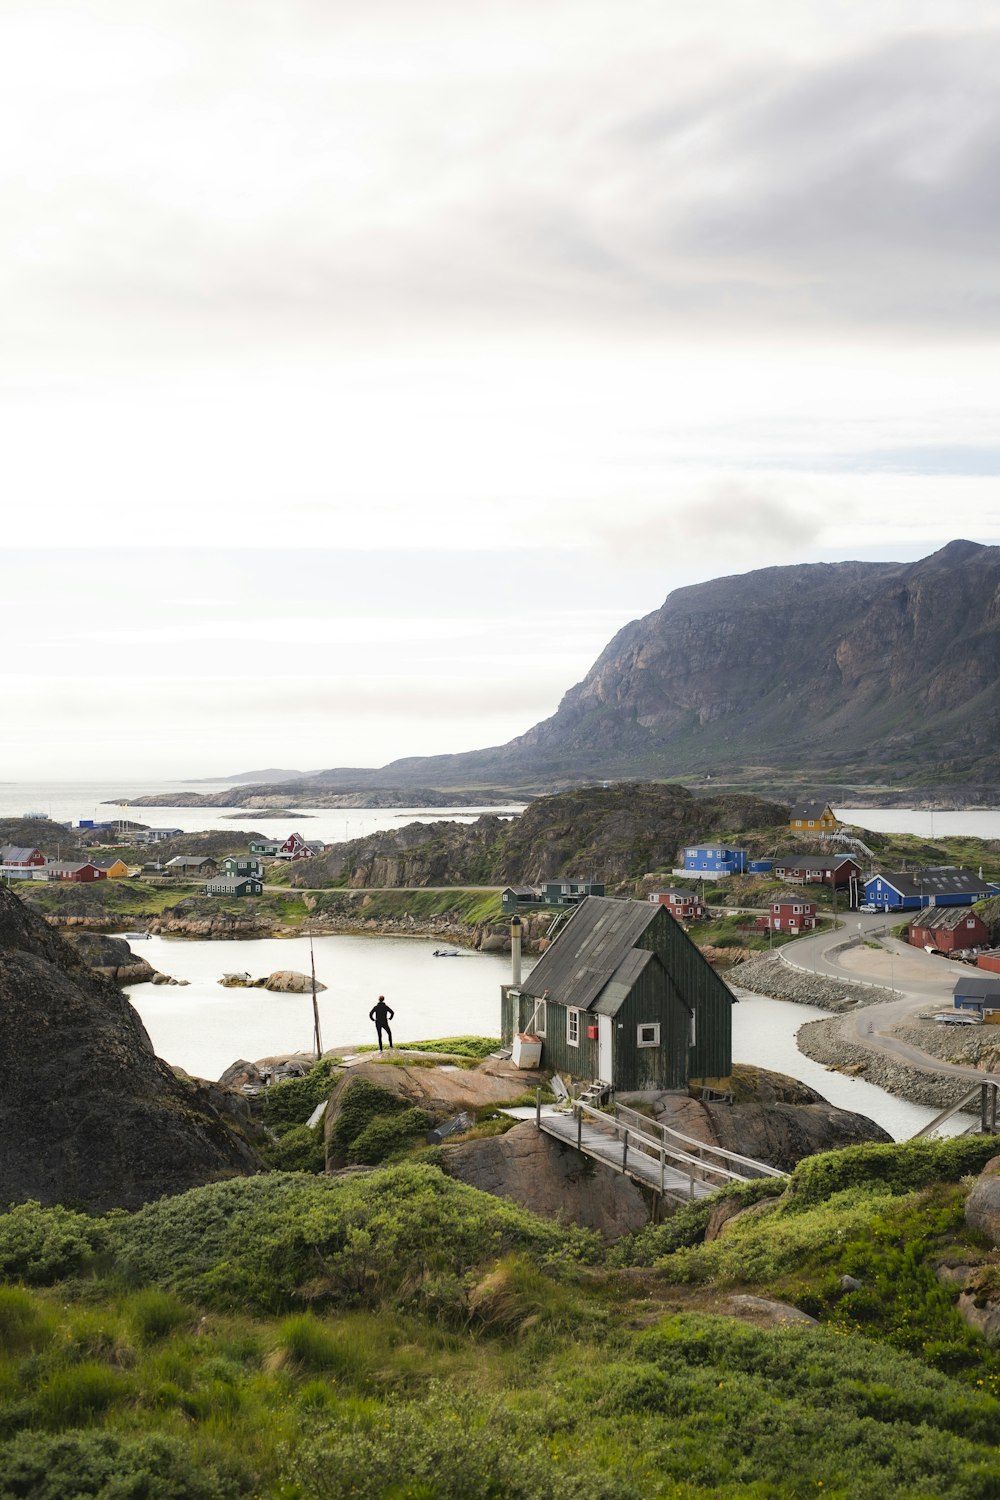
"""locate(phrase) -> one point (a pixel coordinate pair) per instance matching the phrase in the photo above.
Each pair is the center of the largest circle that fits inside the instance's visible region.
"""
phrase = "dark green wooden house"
(624, 997)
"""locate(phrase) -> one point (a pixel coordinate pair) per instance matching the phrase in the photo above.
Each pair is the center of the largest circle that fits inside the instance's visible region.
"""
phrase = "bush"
(23, 1324)
(387, 1135)
(359, 1104)
(268, 1242)
(104, 1466)
(153, 1314)
(687, 1226)
(300, 1149)
(292, 1101)
(901, 1168)
(42, 1245)
(75, 1394)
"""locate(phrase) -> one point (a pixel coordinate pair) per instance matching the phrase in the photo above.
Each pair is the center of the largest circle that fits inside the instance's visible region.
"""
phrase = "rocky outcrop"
(111, 957)
(826, 1042)
(88, 1114)
(982, 1207)
(770, 974)
(548, 1178)
(774, 1132)
(289, 982)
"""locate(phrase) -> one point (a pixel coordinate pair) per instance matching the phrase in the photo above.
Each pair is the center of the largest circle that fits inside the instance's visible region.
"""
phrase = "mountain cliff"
(845, 669)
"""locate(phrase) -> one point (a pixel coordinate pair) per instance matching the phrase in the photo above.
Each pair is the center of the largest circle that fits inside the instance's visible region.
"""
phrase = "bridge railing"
(702, 1149)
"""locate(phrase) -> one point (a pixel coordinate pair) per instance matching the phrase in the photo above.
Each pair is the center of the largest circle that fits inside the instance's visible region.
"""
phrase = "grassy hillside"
(398, 1334)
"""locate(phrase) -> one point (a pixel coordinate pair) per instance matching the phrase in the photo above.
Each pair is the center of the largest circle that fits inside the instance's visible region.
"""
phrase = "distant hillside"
(849, 671)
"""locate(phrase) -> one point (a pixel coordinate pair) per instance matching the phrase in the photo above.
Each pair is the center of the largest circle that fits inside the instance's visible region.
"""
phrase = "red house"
(989, 961)
(684, 905)
(948, 929)
(83, 871)
(791, 916)
(13, 854)
(294, 847)
(816, 869)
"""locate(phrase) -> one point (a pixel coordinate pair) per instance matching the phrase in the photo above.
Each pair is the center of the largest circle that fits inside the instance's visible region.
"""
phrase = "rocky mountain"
(89, 1115)
(605, 833)
(850, 670)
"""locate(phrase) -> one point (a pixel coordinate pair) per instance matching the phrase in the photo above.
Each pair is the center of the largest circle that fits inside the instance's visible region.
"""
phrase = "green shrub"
(292, 1101)
(901, 1168)
(359, 1104)
(105, 1466)
(311, 1344)
(270, 1241)
(300, 1149)
(42, 1245)
(388, 1134)
(688, 1224)
(459, 1046)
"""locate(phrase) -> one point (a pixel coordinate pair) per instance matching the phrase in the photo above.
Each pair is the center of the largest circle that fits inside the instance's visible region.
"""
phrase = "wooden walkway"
(673, 1164)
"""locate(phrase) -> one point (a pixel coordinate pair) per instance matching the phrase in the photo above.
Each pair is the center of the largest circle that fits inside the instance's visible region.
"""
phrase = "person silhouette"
(381, 1015)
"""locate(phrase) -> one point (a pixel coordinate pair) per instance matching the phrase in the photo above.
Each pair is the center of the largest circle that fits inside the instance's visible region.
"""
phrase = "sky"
(365, 365)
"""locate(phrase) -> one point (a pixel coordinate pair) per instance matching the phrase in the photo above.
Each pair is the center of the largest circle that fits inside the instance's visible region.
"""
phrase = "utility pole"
(317, 1038)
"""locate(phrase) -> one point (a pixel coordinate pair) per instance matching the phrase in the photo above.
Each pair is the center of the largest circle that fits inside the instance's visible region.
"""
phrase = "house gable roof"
(945, 918)
(811, 810)
(813, 861)
(588, 952)
(935, 881)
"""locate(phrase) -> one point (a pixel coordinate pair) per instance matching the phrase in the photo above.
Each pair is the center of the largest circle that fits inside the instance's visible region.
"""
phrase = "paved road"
(922, 982)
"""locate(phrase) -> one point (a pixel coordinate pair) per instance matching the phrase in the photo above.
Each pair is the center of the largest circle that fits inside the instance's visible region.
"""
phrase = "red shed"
(989, 960)
(948, 929)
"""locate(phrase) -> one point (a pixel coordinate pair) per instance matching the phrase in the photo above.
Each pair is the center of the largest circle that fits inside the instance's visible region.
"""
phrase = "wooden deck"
(675, 1165)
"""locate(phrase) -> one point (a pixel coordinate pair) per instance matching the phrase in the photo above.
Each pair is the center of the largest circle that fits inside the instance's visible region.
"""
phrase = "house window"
(573, 1028)
(539, 1027)
(648, 1034)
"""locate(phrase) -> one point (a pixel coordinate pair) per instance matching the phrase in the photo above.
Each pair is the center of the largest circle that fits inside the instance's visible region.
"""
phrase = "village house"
(948, 929)
(836, 871)
(155, 835)
(114, 869)
(624, 997)
(686, 906)
(15, 854)
(813, 817)
(978, 994)
(550, 893)
(266, 848)
(234, 885)
(82, 870)
(713, 859)
(245, 865)
(788, 915)
(196, 865)
(938, 885)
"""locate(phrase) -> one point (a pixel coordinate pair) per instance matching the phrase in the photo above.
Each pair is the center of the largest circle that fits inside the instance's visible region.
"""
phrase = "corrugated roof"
(977, 987)
(812, 861)
(811, 810)
(590, 950)
(942, 918)
(615, 992)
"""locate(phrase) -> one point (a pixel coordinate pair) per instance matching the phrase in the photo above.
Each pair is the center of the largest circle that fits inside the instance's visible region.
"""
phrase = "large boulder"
(982, 1207)
(551, 1179)
(89, 1115)
(290, 982)
(112, 958)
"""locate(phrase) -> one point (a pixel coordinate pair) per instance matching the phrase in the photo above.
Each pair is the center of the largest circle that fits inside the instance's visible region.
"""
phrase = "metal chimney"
(515, 952)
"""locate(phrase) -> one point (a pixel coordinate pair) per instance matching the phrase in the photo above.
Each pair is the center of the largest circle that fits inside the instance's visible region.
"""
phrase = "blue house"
(977, 994)
(939, 885)
(714, 859)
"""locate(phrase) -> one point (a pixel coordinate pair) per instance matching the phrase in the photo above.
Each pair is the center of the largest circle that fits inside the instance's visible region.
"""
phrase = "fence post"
(624, 1149)
(663, 1165)
(538, 1108)
(579, 1127)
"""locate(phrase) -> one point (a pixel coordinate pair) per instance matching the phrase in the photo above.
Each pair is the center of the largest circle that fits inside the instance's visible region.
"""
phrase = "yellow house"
(813, 817)
(114, 869)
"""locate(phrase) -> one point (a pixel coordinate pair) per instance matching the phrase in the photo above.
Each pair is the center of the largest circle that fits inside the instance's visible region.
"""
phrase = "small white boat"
(134, 936)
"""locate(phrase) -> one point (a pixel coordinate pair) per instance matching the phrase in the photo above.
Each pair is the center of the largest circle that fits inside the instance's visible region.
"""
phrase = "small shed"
(978, 993)
(624, 997)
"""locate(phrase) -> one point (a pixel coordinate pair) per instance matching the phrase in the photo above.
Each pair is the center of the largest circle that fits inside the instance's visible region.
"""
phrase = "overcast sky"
(366, 364)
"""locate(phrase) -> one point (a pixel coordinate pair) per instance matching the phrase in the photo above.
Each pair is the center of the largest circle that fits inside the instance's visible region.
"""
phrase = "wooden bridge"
(672, 1163)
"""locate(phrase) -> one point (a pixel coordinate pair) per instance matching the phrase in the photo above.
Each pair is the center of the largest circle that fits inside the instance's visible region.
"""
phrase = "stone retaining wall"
(768, 974)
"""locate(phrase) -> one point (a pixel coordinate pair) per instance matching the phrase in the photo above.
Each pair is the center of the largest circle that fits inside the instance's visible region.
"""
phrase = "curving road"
(920, 980)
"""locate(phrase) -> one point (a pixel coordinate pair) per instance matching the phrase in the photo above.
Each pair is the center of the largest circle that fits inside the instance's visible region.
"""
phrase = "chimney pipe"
(515, 952)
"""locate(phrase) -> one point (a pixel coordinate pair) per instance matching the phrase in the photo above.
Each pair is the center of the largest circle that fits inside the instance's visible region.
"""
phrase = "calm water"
(981, 823)
(204, 1027)
(65, 801)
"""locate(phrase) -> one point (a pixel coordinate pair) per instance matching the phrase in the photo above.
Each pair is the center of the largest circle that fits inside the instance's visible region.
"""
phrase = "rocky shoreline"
(824, 1042)
(769, 974)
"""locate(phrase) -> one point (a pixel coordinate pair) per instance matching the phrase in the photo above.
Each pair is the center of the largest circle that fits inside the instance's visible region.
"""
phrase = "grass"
(398, 1335)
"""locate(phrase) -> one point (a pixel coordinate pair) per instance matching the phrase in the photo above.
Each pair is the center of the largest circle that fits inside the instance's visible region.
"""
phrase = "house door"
(604, 1035)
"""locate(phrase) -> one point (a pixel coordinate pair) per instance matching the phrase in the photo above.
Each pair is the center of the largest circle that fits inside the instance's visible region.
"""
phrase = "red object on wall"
(592, 1033)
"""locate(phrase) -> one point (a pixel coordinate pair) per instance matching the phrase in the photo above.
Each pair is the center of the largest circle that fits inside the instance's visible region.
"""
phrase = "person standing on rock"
(381, 1015)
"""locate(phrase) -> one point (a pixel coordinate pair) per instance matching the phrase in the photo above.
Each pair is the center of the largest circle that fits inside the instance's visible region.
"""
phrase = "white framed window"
(573, 1028)
(539, 1023)
(648, 1034)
